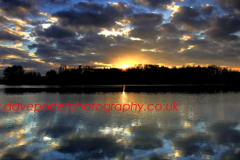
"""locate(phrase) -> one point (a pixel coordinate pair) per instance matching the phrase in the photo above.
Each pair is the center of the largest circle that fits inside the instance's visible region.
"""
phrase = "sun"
(124, 67)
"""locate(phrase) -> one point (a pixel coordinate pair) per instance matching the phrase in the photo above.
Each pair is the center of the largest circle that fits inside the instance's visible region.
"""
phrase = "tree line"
(139, 74)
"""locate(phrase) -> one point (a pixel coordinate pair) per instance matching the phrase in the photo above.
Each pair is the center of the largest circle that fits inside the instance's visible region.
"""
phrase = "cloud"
(230, 155)
(56, 32)
(171, 30)
(33, 22)
(58, 2)
(223, 28)
(55, 132)
(206, 9)
(189, 145)
(89, 7)
(105, 17)
(6, 52)
(35, 64)
(189, 18)
(21, 152)
(155, 4)
(145, 19)
(20, 27)
(80, 33)
(201, 44)
(6, 36)
(19, 8)
(145, 138)
(44, 50)
(8, 128)
(229, 5)
(225, 133)
(72, 45)
(3, 19)
(99, 147)
(147, 33)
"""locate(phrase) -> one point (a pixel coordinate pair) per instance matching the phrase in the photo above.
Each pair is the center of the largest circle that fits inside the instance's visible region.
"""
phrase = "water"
(206, 126)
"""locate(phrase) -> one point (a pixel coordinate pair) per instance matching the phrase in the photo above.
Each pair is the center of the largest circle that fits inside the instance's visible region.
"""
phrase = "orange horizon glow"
(124, 67)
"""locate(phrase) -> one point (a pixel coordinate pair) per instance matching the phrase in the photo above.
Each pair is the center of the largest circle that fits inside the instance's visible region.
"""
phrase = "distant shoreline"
(148, 75)
(124, 88)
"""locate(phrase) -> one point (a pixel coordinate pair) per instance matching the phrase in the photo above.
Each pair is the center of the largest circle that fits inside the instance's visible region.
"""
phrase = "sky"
(41, 35)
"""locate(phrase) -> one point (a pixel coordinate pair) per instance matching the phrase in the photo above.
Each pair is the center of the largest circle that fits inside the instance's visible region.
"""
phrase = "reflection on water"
(206, 126)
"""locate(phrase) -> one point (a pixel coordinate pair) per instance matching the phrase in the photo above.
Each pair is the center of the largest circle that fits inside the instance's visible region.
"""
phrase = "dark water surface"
(206, 125)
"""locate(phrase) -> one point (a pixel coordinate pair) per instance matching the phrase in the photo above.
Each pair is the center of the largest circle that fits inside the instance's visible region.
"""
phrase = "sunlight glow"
(128, 62)
(110, 33)
(135, 39)
(148, 50)
(125, 66)
(46, 25)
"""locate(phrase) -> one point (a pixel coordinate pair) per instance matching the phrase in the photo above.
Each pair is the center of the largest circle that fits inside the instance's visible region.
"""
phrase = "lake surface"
(206, 126)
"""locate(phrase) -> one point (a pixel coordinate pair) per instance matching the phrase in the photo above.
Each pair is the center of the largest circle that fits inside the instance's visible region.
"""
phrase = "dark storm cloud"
(106, 16)
(3, 19)
(20, 27)
(58, 2)
(145, 131)
(172, 30)
(234, 45)
(155, 4)
(56, 131)
(207, 9)
(190, 18)
(229, 4)
(146, 19)
(189, 145)
(223, 28)
(59, 47)
(123, 41)
(202, 44)
(147, 33)
(225, 133)
(21, 153)
(58, 41)
(100, 147)
(29, 63)
(230, 154)
(146, 143)
(89, 7)
(44, 50)
(56, 32)
(211, 55)
(69, 59)
(6, 36)
(19, 8)
(10, 127)
(167, 45)
(196, 42)
(94, 38)
(145, 138)
(33, 22)
(5, 51)
(155, 156)
(72, 45)
(3, 145)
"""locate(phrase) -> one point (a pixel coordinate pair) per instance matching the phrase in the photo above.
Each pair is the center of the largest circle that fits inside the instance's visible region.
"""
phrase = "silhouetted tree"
(33, 74)
(147, 74)
(62, 69)
(51, 73)
(13, 72)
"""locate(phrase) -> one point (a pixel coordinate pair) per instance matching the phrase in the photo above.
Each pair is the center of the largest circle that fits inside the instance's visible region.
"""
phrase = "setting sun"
(124, 66)
(126, 62)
